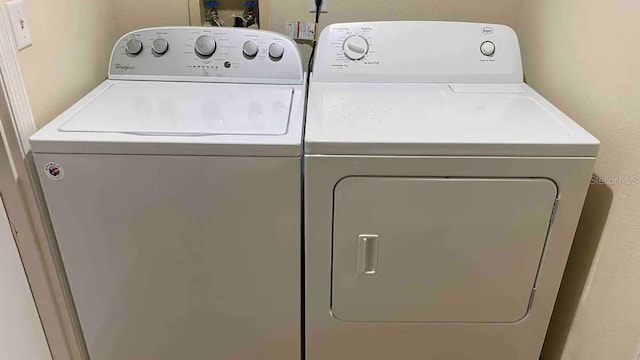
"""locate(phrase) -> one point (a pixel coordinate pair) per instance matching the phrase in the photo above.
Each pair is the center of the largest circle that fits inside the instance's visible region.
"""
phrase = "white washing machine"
(441, 195)
(174, 190)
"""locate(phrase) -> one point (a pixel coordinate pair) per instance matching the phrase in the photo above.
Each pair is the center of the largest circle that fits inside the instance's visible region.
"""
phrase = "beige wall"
(584, 55)
(136, 14)
(493, 11)
(72, 40)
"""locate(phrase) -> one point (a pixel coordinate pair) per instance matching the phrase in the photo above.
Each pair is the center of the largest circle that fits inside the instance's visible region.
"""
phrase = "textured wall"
(72, 41)
(136, 14)
(584, 56)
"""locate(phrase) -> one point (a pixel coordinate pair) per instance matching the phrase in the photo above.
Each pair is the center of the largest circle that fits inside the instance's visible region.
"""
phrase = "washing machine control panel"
(206, 54)
(418, 51)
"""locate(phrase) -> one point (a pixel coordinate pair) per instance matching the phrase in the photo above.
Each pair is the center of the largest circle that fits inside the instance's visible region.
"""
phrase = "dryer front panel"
(462, 250)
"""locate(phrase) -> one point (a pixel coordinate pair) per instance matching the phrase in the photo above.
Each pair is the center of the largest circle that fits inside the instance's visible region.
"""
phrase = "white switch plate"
(19, 24)
(323, 9)
(292, 29)
(302, 30)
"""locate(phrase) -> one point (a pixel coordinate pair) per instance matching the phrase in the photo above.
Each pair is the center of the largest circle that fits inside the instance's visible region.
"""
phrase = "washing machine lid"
(166, 117)
(439, 119)
(173, 109)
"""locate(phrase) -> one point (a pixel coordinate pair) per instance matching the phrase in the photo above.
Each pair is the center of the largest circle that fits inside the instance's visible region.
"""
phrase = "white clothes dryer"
(441, 195)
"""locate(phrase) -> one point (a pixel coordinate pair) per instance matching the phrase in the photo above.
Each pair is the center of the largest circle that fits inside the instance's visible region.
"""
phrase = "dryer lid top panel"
(440, 119)
(152, 108)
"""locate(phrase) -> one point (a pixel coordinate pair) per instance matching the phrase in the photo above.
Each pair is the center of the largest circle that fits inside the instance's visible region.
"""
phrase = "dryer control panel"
(206, 54)
(418, 51)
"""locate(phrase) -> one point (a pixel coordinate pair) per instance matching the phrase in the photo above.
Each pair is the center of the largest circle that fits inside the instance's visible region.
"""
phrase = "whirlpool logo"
(124, 67)
(54, 170)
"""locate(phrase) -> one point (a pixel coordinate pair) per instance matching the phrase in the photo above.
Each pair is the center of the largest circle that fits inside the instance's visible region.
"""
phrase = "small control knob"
(160, 46)
(250, 49)
(355, 47)
(205, 46)
(488, 48)
(276, 51)
(134, 47)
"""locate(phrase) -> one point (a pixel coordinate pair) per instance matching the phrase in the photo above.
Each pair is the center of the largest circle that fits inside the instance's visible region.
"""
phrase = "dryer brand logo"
(54, 171)
(487, 30)
(124, 67)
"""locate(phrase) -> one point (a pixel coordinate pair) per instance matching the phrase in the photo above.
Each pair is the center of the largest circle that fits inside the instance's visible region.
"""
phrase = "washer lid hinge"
(554, 211)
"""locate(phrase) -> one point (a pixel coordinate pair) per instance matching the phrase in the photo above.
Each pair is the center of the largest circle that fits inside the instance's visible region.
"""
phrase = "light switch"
(302, 30)
(19, 24)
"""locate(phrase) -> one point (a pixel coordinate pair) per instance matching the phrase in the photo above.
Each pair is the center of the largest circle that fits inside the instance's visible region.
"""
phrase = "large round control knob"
(133, 47)
(205, 46)
(355, 47)
(160, 46)
(276, 51)
(250, 49)
(488, 48)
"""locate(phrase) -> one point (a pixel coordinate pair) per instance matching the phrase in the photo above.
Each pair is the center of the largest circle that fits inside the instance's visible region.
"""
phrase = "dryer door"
(438, 249)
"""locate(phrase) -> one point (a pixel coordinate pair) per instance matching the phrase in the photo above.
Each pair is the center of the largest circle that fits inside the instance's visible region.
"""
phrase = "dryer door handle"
(368, 254)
